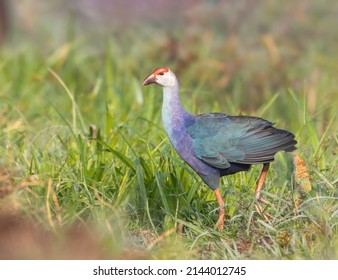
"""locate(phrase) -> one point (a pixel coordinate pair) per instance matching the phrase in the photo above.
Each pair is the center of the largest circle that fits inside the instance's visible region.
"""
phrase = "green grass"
(125, 179)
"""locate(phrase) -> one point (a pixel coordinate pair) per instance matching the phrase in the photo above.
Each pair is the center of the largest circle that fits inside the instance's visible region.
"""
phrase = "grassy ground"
(85, 157)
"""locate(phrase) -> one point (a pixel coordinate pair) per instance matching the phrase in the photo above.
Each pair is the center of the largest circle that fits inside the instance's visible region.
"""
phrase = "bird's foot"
(267, 216)
(263, 201)
(259, 200)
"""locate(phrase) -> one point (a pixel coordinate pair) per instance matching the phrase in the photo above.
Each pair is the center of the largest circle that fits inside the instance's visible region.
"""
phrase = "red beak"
(151, 79)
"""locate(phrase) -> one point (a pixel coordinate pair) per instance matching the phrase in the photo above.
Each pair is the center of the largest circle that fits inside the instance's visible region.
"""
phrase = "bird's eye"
(161, 73)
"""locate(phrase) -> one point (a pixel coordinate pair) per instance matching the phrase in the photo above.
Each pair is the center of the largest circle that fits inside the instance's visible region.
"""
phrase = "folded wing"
(220, 139)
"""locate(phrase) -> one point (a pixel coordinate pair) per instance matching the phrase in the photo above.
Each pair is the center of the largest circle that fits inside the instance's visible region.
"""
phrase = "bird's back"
(223, 141)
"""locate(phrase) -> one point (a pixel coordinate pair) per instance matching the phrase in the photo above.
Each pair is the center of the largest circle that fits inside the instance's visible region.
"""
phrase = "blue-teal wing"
(220, 139)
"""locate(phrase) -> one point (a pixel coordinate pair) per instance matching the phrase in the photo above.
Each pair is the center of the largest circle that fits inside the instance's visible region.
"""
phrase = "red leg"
(259, 187)
(261, 180)
(221, 212)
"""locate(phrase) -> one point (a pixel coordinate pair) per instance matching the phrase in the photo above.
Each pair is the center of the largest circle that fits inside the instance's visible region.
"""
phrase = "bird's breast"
(177, 133)
(182, 142)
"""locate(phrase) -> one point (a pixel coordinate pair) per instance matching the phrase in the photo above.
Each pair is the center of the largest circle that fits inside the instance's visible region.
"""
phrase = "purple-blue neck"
(175, 122)
(174, 117)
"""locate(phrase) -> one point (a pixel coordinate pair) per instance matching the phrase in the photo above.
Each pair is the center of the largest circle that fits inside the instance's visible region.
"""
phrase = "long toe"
(267, 216)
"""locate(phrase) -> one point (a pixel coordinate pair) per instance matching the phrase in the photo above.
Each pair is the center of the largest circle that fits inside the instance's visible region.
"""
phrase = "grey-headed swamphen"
(215, 145)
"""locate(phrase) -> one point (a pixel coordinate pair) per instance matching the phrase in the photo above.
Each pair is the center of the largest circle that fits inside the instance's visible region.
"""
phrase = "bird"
(215, 144)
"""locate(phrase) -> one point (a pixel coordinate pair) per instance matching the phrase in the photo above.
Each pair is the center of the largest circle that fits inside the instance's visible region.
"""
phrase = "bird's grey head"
(162, 76)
